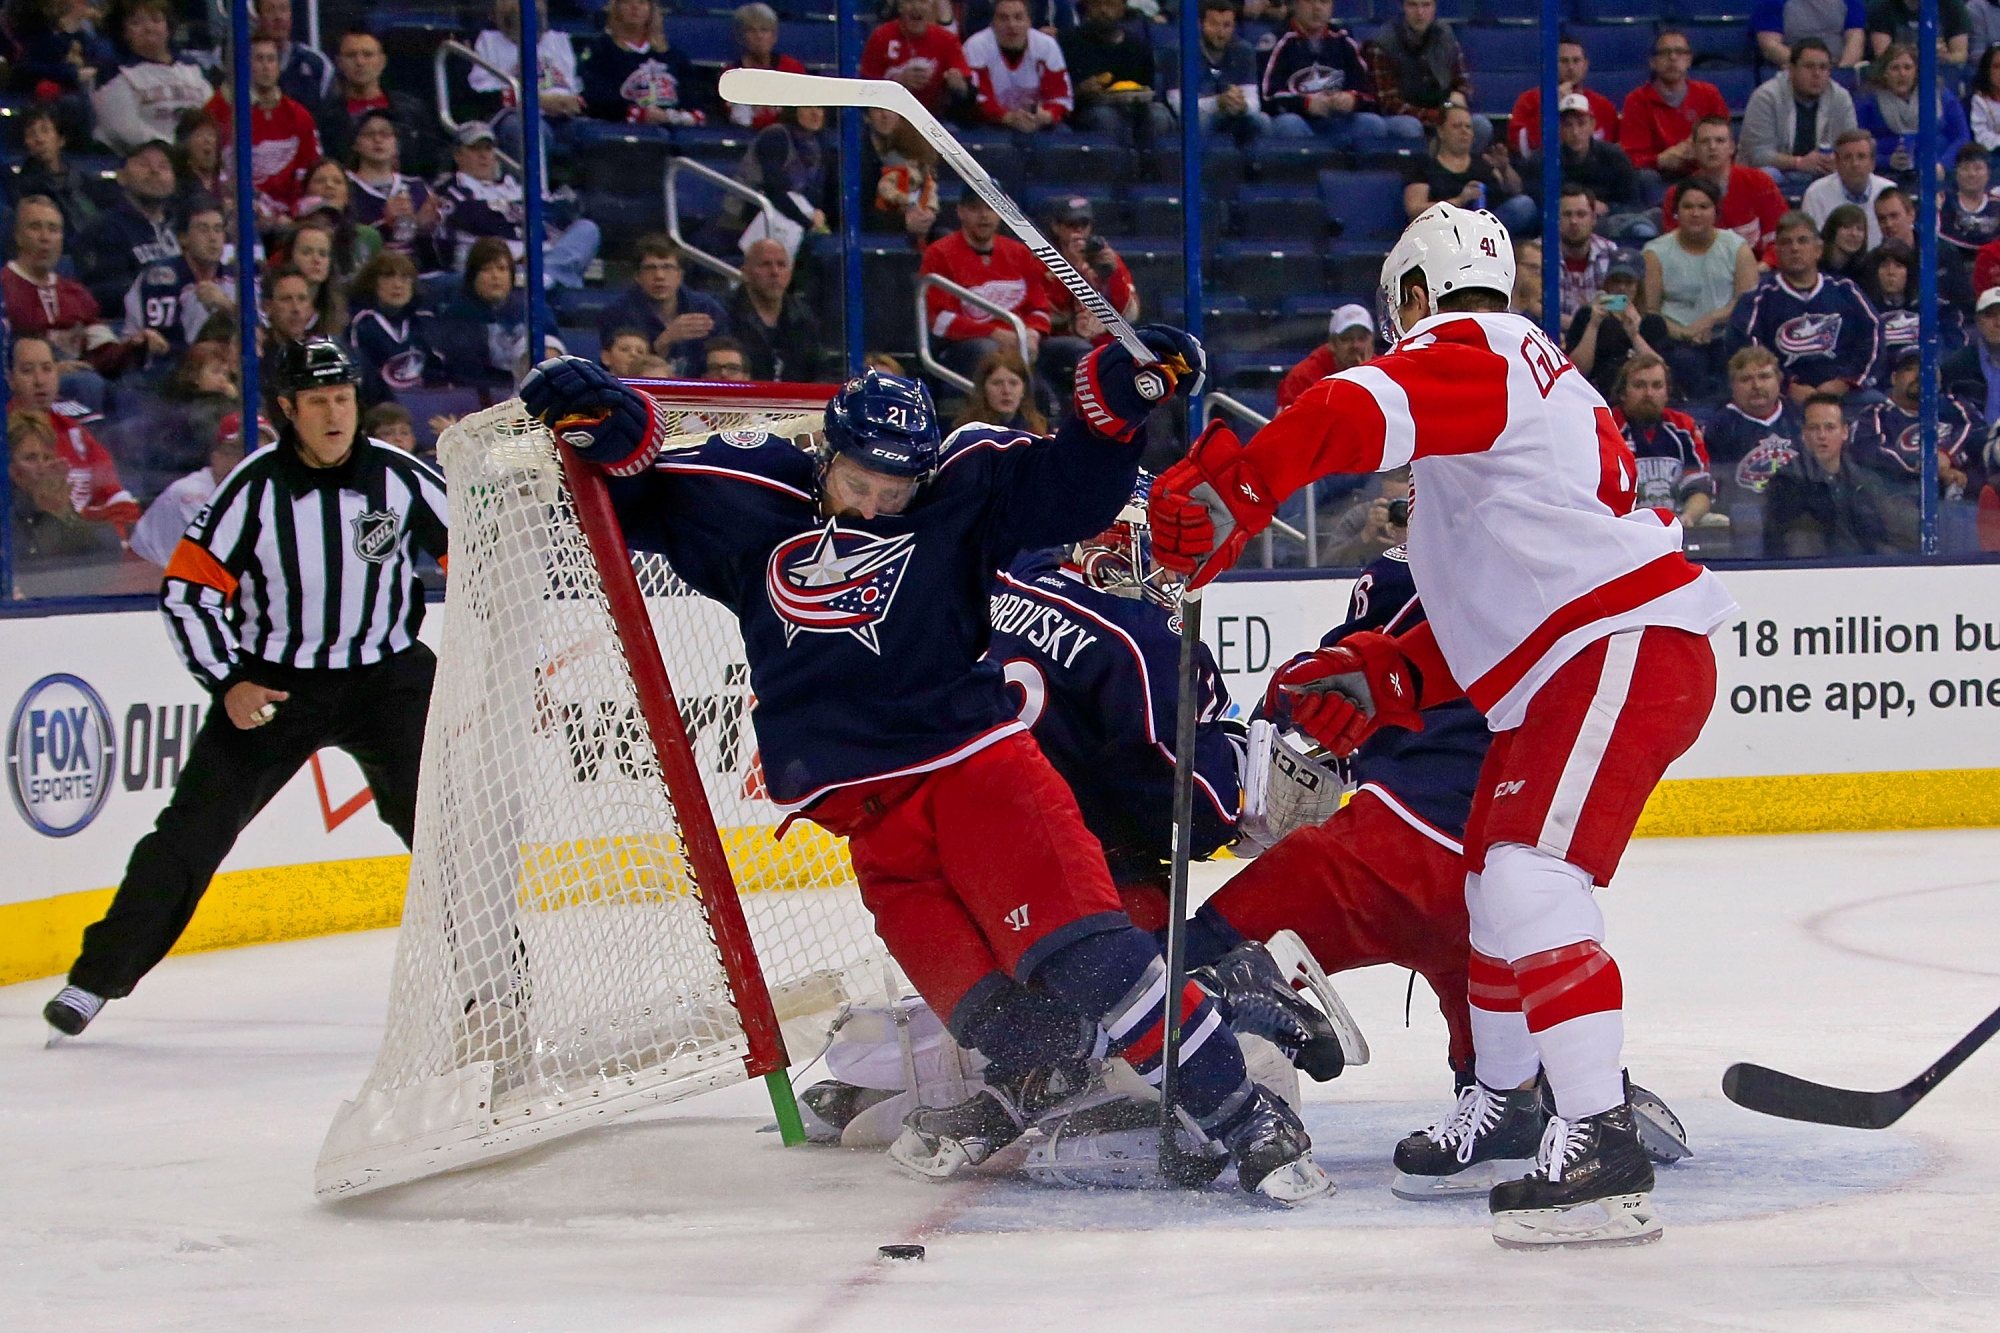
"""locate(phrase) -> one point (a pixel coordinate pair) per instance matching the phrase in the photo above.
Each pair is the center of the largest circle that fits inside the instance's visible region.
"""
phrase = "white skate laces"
(81, 1000)
(1561, 1142)
(1477, 1111)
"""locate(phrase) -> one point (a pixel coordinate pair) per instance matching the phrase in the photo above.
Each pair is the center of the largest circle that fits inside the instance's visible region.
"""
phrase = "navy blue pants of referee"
(374, 713)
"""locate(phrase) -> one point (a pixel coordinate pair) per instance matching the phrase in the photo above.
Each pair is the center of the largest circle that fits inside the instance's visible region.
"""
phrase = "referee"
(294, 600)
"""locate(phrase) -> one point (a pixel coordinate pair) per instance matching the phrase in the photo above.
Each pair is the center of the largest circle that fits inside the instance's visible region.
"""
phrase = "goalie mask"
(1119, 560)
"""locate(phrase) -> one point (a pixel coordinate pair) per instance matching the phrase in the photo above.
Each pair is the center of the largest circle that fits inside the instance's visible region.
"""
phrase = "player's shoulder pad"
(974, 445)
(753, 455)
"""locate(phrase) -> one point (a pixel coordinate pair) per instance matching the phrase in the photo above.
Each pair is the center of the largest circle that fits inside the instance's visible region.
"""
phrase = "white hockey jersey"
(1523, 538)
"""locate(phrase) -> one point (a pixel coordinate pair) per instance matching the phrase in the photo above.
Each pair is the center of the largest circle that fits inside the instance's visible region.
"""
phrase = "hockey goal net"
(598, 915)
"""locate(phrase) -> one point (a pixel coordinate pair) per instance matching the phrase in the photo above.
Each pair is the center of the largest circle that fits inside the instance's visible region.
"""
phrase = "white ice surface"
(156, 1174)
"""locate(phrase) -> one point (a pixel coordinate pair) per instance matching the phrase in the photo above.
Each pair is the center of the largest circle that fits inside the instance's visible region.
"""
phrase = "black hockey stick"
(1780, 1094)
(1176, 1164)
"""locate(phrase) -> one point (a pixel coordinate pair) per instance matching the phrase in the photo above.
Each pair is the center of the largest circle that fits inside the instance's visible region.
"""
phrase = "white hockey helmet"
(1457, 248)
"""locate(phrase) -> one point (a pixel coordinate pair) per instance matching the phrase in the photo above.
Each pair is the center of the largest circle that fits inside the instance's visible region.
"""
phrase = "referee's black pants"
(374, 713)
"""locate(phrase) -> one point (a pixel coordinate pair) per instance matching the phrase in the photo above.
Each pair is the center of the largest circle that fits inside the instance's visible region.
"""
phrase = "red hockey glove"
(1341, 696)
(1205, 509)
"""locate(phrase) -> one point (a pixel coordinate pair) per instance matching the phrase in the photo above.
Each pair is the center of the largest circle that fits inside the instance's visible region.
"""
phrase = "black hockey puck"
(901, 1251)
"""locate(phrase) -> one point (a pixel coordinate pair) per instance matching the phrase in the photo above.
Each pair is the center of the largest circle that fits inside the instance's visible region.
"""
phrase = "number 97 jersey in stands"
(1523, 537)
(1097, 675)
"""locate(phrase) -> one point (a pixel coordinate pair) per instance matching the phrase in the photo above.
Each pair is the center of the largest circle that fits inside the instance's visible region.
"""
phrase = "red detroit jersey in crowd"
(94, 489)
(284, 144)
(891, 53)
(1008, 275)
(1751, 207)
(1035, 79)
(1535, 551)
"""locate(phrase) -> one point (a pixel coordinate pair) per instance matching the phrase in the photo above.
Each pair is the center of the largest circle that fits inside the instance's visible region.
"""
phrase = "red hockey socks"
(1505, 1055)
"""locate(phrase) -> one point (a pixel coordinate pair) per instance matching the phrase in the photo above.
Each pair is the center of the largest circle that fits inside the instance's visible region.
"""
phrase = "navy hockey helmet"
(316, 363)
(887, 424)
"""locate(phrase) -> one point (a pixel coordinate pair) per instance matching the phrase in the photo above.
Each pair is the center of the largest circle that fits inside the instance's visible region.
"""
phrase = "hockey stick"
(1175, 1164)
(1781, 1094)
(770, 87)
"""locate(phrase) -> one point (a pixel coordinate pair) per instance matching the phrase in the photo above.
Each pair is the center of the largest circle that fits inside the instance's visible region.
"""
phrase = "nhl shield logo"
(837, 581)
(375, 534)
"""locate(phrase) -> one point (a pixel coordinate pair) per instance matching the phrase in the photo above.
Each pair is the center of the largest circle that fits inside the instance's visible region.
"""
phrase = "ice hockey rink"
(158, 1171)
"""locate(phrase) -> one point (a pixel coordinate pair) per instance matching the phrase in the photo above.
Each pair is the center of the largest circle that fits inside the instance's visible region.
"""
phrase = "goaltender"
(294, 599)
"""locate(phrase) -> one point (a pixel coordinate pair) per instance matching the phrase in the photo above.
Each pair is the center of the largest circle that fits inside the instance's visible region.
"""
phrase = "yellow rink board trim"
(40, 938)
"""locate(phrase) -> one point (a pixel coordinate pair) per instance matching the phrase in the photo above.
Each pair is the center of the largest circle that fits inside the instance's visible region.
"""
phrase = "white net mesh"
(555, 967)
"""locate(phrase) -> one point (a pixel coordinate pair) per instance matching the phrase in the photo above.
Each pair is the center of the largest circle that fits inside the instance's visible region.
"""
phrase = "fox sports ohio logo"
(61, 755)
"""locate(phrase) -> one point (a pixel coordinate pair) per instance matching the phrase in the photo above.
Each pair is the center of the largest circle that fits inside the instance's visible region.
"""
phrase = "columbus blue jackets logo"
(375, 535)
(1809, 335)
(837, 581)
(1756, 468)
(404, 370)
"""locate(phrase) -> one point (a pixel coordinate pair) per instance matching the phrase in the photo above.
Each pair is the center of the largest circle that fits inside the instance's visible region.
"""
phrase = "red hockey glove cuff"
(1341, 696)
(1205, 509)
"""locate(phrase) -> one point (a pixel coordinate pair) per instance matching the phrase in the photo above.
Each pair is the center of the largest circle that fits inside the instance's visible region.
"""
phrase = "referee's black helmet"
(316, 363)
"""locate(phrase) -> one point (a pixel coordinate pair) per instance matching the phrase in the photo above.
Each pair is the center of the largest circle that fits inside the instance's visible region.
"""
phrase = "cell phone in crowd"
(1614, 305)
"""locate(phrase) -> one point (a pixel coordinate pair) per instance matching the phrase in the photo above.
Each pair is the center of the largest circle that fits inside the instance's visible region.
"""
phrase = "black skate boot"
(1489, 1136)
(1256, 999)
(71, 1011)
(1660, 1130)
(1272, 1151)
(1592, 1186)
(938, 1142)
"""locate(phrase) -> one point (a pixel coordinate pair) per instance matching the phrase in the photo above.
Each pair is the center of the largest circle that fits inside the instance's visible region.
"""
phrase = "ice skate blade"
(1617, 1219)
(934, 1165)
(1298, 1181)
(1661, 1133)
(57, 1037)
(1477, 1179)
(1301, 969)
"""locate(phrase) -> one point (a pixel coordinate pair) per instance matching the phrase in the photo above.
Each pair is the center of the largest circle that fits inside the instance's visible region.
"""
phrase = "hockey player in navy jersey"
(859, 579)
(1091, 644)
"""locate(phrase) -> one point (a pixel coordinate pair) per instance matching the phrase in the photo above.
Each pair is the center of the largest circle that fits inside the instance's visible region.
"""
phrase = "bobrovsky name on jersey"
(64, 747)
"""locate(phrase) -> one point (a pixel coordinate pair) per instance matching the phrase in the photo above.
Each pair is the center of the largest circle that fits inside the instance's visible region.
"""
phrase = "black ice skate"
(826, 1108)
(1592, 1186)
(1256, 999)
(1272, 1151)
(71, 1011)
(938, 1142)
(1489, 1137)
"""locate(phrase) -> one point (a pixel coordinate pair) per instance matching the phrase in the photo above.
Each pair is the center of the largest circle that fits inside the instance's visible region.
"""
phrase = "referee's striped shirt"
(304, 567)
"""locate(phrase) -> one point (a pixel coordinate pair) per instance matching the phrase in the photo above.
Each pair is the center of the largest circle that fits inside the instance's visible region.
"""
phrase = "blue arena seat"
(1524, 13)
(1266, 272)
(1250, 370)
(706, 39)
(1004, 162)
(1494, 91)
(1647, 12)
(1722, 45)
(1490, 49)
(815, 44)
(1221, 168)
(1368, 205)
(1616, 47)
(1064, 159)
(1734, 82)
(626, 159)
(1274, 160)
(1732, 12)
(1280, 212)
(1155, 212)
(1038, 200)
(1351, 12)
(1616, 84)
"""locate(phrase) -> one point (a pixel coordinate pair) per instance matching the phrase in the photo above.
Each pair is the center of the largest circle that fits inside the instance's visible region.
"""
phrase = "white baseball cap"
(1574, 102)
(1357, 317)
(1987, 299)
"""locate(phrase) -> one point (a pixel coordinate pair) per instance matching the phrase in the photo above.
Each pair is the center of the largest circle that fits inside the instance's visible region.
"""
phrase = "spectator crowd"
(1732, 264)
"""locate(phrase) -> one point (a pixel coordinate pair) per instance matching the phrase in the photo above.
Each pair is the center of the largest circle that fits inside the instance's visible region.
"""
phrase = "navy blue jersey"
(1826, 332)
(865, 637)
(1746, 451)
(153, 301)
(1889, 441)
(1430, 773)
(1099, 678)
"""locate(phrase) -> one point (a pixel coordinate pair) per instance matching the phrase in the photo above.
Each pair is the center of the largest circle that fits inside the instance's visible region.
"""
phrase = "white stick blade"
(772, 87)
